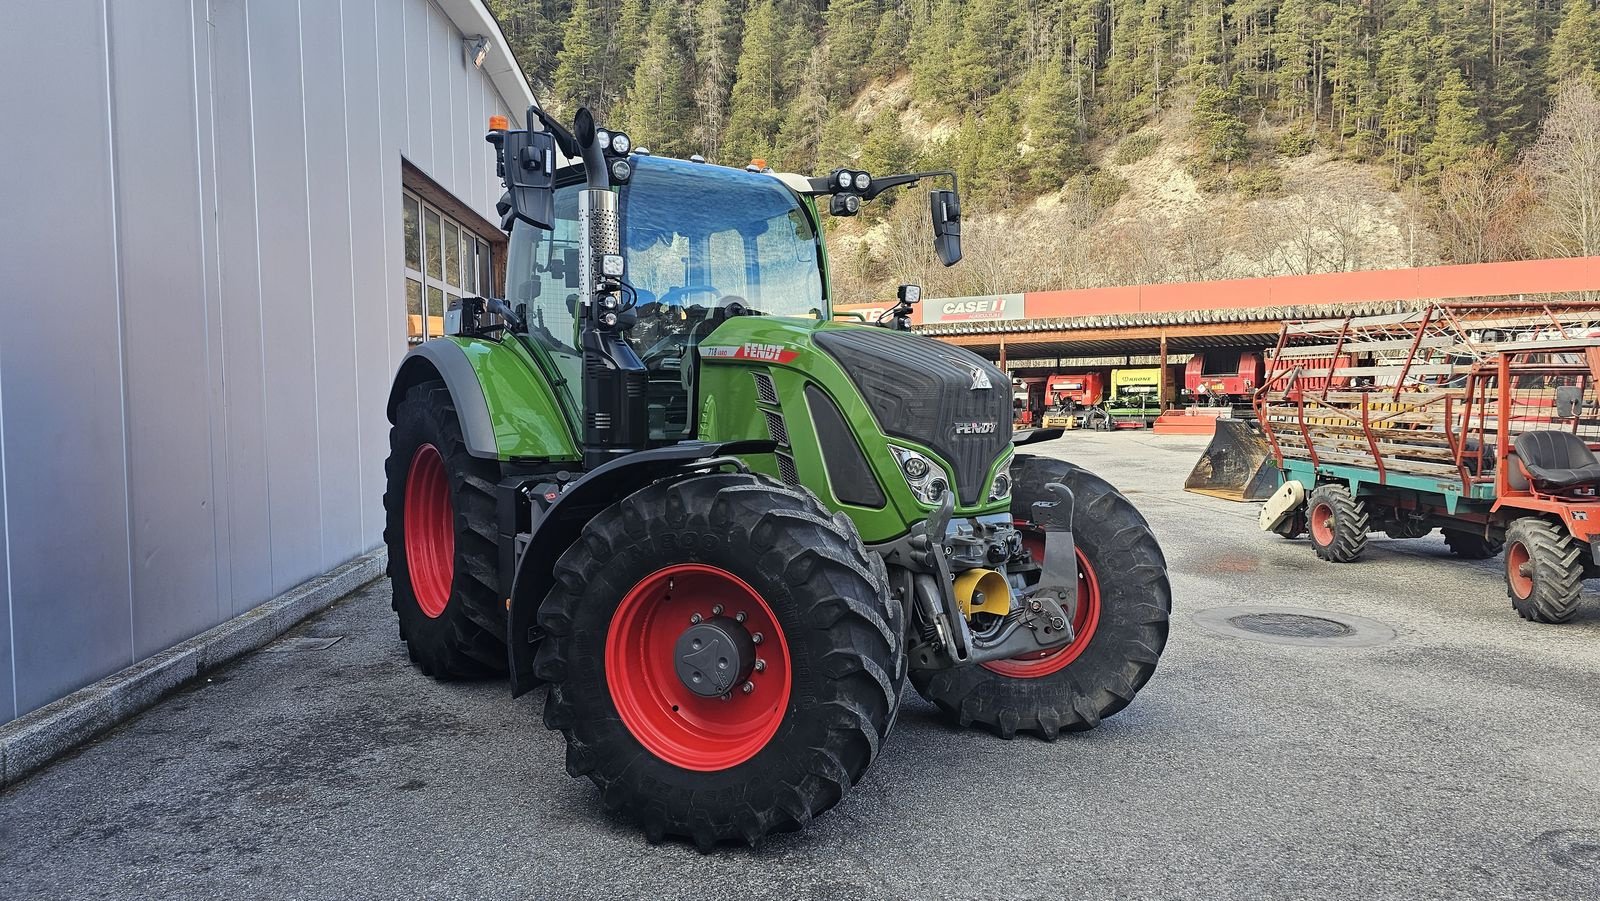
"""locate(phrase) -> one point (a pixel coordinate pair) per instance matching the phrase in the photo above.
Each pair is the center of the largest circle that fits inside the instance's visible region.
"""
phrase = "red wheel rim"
(1517, 557)
(430, 531)
(1084, 622)
(672, 722)
(1322, 524)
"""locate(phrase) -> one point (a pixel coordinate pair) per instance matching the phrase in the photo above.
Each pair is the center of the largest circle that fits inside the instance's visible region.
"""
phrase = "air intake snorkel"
(615, 417)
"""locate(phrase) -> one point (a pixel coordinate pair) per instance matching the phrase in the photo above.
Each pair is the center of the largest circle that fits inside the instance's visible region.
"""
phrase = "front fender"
(563, 521)
(507, 408)
(445, 360)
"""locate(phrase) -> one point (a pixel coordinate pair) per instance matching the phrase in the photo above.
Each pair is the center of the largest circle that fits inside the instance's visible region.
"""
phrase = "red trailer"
(1217, 377)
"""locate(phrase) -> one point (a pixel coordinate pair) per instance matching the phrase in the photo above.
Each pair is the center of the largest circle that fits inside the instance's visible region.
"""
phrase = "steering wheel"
(677, 294)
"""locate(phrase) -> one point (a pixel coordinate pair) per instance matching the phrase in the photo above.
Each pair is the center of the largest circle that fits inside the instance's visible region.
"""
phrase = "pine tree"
(715, 55)
(756, 108)
(848, 23)
(804, 118)
(933, 41)
(1575, 48)
(1457, 131)
(580, 77)
(1517, 76)
(1217, 124)
(988, 41)
(1053, 149)
(886, 150)
(658, 110)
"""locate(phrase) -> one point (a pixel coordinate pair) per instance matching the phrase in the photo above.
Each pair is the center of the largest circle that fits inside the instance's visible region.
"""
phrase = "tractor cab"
(700, 244)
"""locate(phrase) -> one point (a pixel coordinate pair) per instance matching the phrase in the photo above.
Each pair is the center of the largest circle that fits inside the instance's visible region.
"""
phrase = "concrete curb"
(33, 740)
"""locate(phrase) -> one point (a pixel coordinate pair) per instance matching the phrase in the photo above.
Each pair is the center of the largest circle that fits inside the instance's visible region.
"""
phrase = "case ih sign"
(987, 307)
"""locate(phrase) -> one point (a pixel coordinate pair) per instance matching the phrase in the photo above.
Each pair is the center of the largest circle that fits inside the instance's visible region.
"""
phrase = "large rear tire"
(441, 536)
(1544, 570)
(752, 556)
(1124, 602)
(1337, 523)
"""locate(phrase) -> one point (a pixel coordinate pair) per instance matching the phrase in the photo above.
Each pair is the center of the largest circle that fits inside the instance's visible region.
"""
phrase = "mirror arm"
(879, 185)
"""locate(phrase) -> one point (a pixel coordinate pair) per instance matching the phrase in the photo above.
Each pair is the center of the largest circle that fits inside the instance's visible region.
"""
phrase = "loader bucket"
(1237, 465)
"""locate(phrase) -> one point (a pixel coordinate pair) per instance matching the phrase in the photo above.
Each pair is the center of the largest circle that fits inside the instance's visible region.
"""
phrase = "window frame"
(473, 258)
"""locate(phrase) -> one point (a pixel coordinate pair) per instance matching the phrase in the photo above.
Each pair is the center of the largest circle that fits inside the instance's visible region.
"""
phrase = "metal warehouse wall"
(200, 260)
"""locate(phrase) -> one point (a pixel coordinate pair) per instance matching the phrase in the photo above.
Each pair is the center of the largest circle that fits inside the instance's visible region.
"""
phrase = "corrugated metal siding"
(203, 308)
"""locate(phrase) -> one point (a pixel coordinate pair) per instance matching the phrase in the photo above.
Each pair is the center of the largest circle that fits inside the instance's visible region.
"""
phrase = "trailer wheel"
(1124, 602)
(1471, 545)
(1544, 570)
(1337, 522)
(724, 658)
(441, 535)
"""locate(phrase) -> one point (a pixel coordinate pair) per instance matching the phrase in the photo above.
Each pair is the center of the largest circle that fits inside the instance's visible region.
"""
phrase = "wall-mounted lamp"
(476, 48)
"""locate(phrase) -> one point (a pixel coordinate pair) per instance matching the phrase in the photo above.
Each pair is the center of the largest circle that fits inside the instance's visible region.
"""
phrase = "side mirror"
(945, 208)
(1569, 401)
(529, 161)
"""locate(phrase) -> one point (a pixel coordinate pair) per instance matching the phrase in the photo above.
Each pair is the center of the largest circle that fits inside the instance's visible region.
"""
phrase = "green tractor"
(722, 529)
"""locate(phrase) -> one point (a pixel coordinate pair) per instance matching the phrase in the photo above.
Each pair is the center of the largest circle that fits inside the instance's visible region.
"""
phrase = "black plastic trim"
(848, 472)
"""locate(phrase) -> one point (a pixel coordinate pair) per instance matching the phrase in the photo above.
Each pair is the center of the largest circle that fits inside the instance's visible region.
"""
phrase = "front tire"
(1124, 602)
(1337, 523)
(821, 700)
(1544, 570)
(441, 536)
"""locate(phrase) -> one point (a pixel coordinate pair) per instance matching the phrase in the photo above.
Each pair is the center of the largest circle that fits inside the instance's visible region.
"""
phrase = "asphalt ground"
(1458, 758)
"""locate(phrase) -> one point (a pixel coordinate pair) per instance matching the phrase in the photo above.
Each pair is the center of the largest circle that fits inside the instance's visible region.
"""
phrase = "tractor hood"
(951, 401)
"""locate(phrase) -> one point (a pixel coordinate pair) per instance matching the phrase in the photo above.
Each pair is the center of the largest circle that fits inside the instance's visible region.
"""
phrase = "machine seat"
(1557, 460)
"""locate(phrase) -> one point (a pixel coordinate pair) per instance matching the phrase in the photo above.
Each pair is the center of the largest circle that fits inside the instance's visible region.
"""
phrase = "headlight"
(862, 180)
(1000, 485)
(844, 179)
(927, 479)
(620, 143)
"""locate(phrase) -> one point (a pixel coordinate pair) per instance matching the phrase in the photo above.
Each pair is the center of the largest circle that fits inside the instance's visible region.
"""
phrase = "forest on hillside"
(1483, 114)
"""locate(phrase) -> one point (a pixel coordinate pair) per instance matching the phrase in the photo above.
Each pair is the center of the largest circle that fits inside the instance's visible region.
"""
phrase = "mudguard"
(561, 523)
(1034, 436)
(507, 409)
(446, 360)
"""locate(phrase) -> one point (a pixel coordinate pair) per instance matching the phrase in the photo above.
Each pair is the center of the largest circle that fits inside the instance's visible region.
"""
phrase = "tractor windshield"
(703, 235)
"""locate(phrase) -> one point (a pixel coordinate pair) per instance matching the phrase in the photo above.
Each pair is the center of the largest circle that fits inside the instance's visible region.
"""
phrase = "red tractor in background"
(1216, 378)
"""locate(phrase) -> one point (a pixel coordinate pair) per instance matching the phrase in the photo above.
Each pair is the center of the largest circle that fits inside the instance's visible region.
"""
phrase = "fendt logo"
(991, 307)
(976, 428)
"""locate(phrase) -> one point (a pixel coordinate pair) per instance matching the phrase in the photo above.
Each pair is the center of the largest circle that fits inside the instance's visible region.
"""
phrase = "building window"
(444, 260)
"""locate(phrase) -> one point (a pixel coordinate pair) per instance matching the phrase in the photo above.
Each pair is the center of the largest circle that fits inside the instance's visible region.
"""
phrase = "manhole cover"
(1293, 626)
(1290, 625)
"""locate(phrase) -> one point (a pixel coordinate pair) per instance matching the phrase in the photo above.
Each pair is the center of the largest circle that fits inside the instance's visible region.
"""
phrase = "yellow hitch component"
(983, 591)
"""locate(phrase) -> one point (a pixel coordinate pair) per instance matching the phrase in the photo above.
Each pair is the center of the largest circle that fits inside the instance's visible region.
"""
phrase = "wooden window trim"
(418, 182)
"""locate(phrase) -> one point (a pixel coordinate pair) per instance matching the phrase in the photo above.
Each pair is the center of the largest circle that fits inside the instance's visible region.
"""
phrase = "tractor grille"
(766, 392)
(954, 402)
(786, 470)
(776, 428)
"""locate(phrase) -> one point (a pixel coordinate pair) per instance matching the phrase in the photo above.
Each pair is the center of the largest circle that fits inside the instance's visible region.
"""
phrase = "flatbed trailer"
(1478, 419)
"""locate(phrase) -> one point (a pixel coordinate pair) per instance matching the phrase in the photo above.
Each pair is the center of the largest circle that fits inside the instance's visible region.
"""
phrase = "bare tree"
(1480, 210)
(1565, 166)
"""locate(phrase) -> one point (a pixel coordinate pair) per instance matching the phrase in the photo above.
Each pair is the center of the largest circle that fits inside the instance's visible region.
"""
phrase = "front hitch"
(1041, 620)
